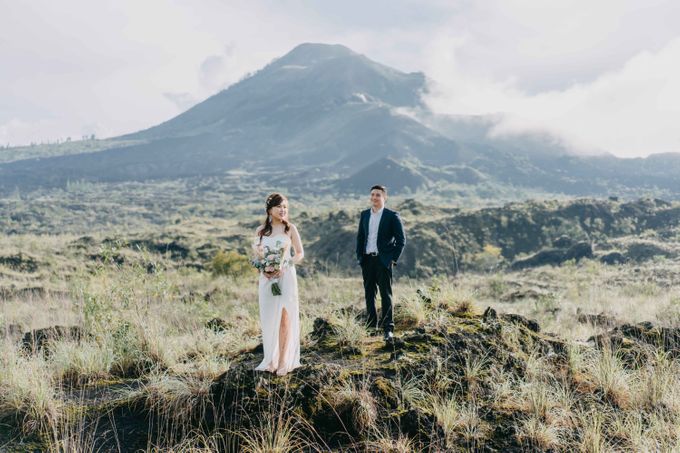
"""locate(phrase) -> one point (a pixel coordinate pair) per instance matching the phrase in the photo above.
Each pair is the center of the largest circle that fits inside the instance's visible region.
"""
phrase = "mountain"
(326, 111)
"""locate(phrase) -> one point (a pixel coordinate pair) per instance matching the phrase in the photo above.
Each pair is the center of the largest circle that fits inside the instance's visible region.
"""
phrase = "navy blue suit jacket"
(391, 238)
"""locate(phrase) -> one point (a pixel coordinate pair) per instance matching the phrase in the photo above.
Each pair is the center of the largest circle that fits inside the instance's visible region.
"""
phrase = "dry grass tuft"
(27, 394)
(276, 433)
(358, 402)
(535, 434)
(384, 442)
(350, 332)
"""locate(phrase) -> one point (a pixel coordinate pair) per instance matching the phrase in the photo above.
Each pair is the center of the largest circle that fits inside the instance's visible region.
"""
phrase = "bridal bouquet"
(271, 262)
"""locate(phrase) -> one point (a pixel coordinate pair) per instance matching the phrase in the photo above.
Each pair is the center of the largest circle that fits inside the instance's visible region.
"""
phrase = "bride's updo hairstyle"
(273, 200)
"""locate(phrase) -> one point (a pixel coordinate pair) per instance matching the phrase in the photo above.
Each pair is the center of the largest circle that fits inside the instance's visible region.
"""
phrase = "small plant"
(411, 391)
(447, 413)
(497, 286)
(537, 396)
(357, 401)
(27, 393)
(175, 401)
(231, 264)
(384, 442)
(276, 433)
(81, 362)
(472, 427)
(458, 421)
(474, 370)
(109, 252)
(592, 437)
(536, 434)
(488, 259)
(350, 332)
(611, 377)
(410, 312)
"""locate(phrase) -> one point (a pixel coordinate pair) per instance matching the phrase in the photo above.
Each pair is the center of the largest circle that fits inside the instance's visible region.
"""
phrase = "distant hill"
(446, 240)
(325, 115)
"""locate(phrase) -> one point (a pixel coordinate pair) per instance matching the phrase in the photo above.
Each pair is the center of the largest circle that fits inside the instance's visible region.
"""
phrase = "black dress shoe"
(389, 337)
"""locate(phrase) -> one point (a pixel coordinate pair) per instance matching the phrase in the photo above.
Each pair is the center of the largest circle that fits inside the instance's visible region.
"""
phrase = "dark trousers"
(378, 277)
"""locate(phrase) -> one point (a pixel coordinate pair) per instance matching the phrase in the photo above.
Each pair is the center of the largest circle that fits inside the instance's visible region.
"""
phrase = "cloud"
(12, 129)
(127, 65)
(218, 71)
(626, 105)
(183, 101)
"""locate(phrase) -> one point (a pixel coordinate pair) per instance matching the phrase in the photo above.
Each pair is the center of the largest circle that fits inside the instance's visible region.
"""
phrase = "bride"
(279, 314)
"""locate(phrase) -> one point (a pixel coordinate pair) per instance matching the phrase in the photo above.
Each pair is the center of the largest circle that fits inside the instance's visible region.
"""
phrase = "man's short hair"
(382, 188)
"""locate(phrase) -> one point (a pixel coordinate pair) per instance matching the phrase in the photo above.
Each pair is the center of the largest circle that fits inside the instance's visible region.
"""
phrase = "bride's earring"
(269, 217)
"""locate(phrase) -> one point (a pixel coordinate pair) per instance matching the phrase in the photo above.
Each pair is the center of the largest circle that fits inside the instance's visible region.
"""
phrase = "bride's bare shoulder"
(258, 229)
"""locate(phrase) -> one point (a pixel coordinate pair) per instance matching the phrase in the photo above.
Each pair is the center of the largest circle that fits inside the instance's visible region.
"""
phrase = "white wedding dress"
(271, 314)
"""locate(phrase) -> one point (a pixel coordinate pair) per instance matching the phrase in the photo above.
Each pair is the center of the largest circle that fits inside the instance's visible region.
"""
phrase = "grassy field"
(144, 339)
(152, 333)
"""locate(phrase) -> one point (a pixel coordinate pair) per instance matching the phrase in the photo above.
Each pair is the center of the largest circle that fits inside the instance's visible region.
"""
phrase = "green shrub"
(487, 260)
(230, 263)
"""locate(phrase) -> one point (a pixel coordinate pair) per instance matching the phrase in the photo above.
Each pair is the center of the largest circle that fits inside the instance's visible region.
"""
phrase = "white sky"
(603, 75)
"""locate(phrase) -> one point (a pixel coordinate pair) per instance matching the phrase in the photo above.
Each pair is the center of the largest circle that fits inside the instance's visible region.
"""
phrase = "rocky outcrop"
(555, 256)
(643, 250)
(342, 394)
(637, 342)
(524, 294)
(20, 262)
(458, 367)
(613, 258)
(600, 319)
(38, 340)
(11, 331)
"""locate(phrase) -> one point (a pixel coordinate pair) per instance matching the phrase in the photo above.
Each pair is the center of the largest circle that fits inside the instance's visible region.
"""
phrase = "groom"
(380, 240)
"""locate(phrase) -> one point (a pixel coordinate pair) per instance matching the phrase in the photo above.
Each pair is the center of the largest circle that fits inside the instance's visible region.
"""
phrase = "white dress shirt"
(373, 224)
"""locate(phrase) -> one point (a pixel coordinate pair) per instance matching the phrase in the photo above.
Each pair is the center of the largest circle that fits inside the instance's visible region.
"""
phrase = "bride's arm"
(297, 244)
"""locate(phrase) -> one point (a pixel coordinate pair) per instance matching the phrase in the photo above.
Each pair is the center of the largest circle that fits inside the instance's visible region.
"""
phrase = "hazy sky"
(603, 75)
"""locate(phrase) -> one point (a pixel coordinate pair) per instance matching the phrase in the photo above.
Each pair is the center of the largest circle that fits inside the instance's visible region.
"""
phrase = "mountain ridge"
(327, 108)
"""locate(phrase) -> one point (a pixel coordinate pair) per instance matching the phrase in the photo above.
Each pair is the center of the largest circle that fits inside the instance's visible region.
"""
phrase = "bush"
(489, 259)
(230, 263)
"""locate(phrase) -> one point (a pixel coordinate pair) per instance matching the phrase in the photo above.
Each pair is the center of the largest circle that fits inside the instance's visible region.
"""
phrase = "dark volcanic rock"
(20, 262)
(563, 242)
(447, 241)
(613, 258)
(555, 257)
(321, 329)
(217, 325)
(522, 321)
(39, 339)
(636, 341)
(600, 319)
(11, 330)
(579, 251)
(173, 247)
(83, 242)
(339, 395)
(524, 294)
(490, 315)
(338, 398)
(645, 250)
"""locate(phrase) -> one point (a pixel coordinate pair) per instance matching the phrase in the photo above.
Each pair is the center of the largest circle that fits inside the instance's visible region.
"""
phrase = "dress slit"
(283, 338)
